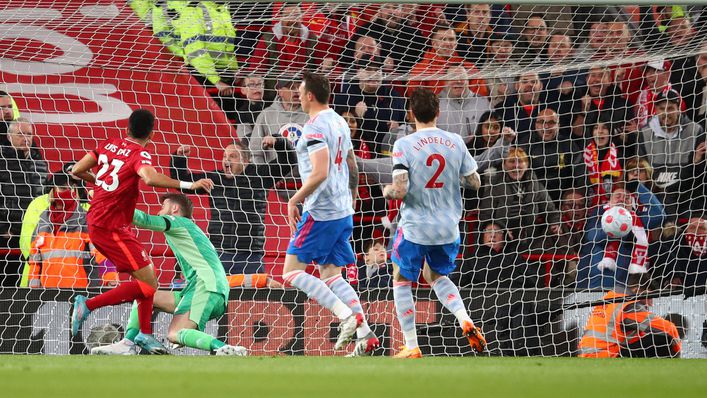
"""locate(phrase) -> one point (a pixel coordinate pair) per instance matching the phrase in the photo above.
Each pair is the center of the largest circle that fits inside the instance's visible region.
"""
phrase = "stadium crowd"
(548, 99)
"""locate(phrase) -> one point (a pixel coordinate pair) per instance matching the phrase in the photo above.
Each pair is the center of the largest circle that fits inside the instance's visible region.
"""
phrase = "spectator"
(671, 142)
(39, 205)
(628, 328)
(62, 255)
(460, 109)
(682, 34)
(607, 263)
(438, 59)
(238, 200)
(638, 169)
(657, 77)
(684, 264)
(474, 34)
(595, 48)
(288, 47)
(532, 47)
(670, 28)
(486, 147)
(574, 209)
(602, 162)
(283, 118)
(599, 98)
(689, 75)
(494, 264)
(399, 40)
(374, 271)
(370, 202)
(520, 110)
(556, 162)
(365, 49)
(560, 82)
(208, 39)
(8, 113)
(517, 200)
(374, 103)
(500, 84)
(333, 24)
(23, 176)
(247, 111)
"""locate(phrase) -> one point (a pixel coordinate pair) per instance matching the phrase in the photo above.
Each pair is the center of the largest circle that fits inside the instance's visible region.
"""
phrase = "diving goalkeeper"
(205, 294)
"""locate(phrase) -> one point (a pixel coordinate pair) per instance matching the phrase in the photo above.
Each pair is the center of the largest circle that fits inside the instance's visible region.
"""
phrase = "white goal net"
(567, 109)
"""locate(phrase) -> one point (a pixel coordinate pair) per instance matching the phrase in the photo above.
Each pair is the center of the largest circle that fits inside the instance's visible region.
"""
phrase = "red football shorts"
(120, 246)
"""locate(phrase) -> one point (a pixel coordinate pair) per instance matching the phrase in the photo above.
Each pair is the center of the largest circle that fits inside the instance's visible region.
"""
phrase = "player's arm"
(155, 179)
(320, 172)
(472, 180)
(153, 223)
(399, 188)
(469, 170)
(353, 173)
(82, 169)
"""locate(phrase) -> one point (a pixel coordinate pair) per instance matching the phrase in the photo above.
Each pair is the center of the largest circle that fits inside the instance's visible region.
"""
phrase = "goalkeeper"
(206, 292)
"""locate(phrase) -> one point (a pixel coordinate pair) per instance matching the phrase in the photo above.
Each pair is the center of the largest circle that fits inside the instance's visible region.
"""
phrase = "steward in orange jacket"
(62, 255)
(628, 329)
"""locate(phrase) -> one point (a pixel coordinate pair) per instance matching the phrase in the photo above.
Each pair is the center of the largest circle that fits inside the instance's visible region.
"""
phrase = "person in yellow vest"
(37, 206)
(143, 9)
(61, 254)
(162, 15)
(628, 328)
(208, 39)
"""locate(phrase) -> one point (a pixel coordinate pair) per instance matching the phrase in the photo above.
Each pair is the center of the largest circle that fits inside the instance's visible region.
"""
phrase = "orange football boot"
(411, 353)
(473, 334)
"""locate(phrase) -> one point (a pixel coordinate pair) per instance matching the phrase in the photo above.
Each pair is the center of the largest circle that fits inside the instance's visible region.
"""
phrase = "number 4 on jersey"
(338, 159)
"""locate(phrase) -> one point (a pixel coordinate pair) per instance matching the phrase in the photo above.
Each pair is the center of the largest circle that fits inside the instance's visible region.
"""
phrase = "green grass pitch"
(207, 377)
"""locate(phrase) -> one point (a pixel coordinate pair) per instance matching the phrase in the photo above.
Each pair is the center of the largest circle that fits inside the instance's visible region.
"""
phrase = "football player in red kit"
(122, 164)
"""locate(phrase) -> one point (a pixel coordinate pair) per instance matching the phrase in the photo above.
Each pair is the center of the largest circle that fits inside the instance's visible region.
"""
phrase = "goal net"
(568, 110)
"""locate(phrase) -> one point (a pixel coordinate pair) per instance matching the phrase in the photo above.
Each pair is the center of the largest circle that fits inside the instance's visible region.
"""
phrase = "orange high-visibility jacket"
(612, 326)
(64, 258)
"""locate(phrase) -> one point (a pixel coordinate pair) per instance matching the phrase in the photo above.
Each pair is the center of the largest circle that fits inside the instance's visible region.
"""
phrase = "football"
(616, 222)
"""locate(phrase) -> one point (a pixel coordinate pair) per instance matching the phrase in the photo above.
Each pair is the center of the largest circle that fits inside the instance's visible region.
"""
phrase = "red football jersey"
(117, 182)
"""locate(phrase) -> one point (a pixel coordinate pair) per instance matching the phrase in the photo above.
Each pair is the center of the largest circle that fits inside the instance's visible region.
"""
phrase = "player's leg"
(164, 301)
(439, 263)
(341, 255)
(197, 307)
(407, 259)
(128, 255)
(312, 242)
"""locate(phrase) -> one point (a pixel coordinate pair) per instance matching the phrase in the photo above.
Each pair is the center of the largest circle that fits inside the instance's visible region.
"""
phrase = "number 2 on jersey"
(114, 166)
(433, 183)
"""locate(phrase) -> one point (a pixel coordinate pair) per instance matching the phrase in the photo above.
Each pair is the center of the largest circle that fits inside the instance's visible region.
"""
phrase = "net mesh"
(567, 109)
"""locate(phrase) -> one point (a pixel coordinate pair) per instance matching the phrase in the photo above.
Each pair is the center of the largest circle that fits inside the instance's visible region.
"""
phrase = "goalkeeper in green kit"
(206, 290)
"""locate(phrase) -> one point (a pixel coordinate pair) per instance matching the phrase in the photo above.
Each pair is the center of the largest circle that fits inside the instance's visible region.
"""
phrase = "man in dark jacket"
(374, 103)
(555, 160)
(239, 200)
(23, 174)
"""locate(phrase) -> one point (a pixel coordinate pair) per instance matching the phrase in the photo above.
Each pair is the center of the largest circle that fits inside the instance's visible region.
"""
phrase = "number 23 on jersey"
(109, 170)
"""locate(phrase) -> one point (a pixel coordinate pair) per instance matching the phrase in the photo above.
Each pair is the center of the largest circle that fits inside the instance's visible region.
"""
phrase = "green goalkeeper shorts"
(201, 304)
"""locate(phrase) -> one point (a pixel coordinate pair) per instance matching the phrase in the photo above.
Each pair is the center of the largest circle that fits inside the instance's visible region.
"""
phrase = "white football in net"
(616, 222)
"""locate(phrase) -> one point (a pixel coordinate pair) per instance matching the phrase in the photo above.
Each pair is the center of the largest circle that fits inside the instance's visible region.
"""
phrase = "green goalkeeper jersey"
(195, 253)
